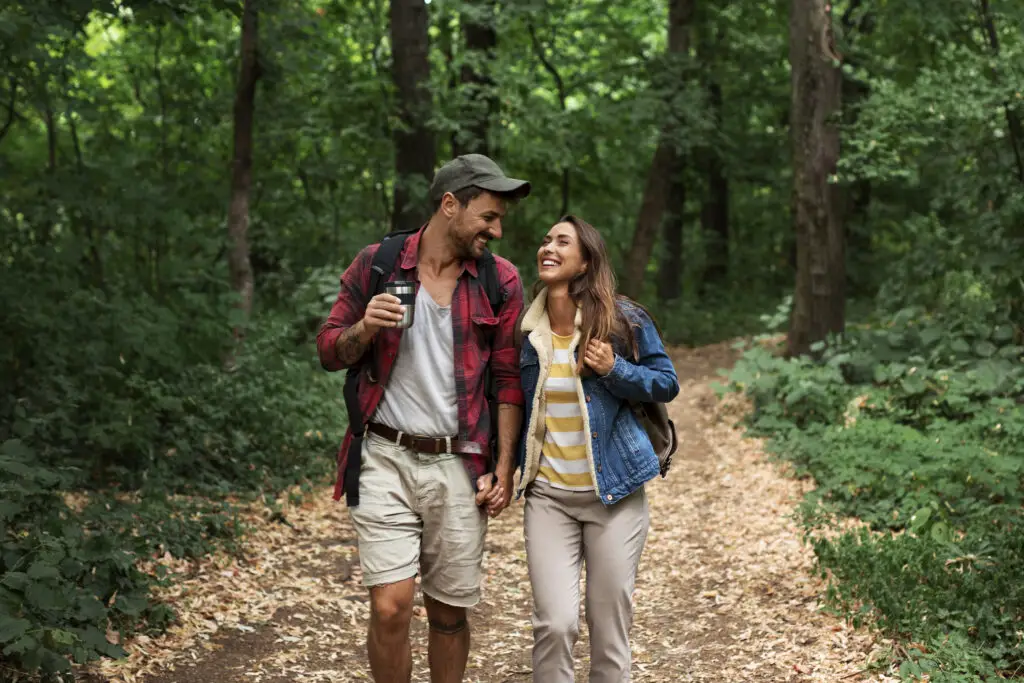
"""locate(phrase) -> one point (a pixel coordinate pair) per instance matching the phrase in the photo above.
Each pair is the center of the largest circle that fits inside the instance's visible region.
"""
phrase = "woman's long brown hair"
(593, 290)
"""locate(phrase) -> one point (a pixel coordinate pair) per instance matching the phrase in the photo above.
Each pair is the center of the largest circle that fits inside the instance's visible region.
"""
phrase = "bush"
(914, 428)
(135, 414)
(61, 585)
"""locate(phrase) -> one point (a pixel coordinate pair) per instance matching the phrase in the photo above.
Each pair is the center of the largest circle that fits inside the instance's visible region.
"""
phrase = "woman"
(583, 456)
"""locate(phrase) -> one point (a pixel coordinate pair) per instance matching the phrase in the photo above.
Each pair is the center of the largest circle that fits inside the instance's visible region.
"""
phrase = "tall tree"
(819, 302)
(480, 39)
(657, 192)
(1013, 122)
(670, 272)
(714, 212)
(239, 264)
(541, 51)
(12, 99)
(857, 24)
(415, 147)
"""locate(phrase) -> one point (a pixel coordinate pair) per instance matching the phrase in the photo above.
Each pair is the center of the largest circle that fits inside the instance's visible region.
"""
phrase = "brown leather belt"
(426, 444)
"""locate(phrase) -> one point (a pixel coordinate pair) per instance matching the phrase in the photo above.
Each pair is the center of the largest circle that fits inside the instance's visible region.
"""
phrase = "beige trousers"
(564, 530)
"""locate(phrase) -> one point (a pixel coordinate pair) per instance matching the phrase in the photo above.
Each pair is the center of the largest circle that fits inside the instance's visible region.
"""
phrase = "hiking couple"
(423, 464)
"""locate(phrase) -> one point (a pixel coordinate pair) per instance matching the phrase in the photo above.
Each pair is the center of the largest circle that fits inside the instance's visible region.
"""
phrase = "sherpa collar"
(537, 315)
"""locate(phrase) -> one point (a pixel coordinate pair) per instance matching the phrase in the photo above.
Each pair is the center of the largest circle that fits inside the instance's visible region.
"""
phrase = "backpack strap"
(381, 267)
(487, 275)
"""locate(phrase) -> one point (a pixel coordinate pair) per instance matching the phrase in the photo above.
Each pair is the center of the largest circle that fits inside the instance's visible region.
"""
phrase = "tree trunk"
(541, 52)
(51, 134)
(415, 148)
(1013, 122)
(655, 200)
(857, 22)
(239, 265)
(482, 101)
(670, 273)
(714, 212)
(820, 298)
(11, 101)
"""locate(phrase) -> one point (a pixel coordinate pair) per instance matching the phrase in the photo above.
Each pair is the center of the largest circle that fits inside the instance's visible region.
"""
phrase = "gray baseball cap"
(476, 170)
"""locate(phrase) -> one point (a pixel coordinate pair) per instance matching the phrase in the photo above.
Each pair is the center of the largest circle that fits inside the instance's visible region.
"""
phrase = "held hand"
(486, 489)
(501, 495)
(383, 310)
(599, 356)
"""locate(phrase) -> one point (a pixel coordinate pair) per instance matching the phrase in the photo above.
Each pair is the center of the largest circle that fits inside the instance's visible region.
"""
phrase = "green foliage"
(116, 141)
(60, 582)
(913, 427)
(126, 402)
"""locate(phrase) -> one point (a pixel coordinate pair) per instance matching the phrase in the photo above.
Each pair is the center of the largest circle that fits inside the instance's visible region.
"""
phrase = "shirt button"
(588, 398)
(594, 434)
(608, 497)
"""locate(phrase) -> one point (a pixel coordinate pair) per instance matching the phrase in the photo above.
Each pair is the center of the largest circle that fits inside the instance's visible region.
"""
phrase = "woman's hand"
(599, 356)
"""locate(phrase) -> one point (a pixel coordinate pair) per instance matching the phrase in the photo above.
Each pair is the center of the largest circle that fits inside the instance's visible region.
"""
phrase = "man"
(424, 488)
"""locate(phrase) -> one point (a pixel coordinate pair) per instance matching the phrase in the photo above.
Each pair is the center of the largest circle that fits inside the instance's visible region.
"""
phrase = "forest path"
(724, 593)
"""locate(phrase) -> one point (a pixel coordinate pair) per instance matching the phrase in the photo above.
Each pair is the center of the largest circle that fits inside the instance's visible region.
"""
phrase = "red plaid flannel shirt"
(473, 321)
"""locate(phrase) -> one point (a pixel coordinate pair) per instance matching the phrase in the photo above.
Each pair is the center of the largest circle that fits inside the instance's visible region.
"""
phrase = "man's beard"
(466, 247)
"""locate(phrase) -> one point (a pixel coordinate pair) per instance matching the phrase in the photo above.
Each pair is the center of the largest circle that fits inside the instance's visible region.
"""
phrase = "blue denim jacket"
(621, 455)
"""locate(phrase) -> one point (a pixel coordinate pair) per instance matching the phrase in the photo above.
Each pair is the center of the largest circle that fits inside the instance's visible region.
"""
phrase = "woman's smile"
(549, 262)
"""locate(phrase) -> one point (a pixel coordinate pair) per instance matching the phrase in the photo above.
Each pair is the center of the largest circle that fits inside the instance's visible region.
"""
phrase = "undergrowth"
(912, 428)
(105, 471)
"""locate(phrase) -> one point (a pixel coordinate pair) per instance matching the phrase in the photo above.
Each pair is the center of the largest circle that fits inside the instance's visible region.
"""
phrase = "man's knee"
(391, 608)
(445, 619)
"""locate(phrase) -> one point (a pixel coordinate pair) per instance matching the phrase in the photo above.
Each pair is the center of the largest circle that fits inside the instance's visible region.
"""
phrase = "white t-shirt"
(419, 398)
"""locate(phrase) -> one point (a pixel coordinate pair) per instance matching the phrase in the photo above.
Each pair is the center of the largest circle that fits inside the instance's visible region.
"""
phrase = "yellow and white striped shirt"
(563, 461)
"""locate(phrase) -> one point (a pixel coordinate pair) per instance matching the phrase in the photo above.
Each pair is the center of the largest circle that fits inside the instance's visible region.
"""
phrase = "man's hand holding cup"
(383, 310)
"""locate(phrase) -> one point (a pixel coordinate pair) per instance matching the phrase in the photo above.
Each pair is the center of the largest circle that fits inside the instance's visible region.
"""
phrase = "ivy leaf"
(15, 580)
(941, 533)
(913, 385)
(42, 596)
(21, 646)
(12, 629)
(920, 519)
(984, 348)
(43, 570)
(132, 605)
(61, 638)
(959, 345)
(930, 335)
(1002, 333)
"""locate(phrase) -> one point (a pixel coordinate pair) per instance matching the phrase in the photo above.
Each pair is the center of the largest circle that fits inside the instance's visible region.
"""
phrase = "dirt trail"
(724, 591)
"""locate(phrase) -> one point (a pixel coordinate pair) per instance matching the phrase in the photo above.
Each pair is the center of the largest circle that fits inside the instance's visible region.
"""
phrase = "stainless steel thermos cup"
(406, 293)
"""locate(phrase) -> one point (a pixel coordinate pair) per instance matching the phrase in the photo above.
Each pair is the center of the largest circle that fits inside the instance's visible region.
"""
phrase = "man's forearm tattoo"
(350, 345)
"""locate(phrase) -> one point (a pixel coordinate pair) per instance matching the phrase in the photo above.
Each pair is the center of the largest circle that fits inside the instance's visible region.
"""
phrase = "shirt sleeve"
(348, 309)
(505, 351)
(652, 377)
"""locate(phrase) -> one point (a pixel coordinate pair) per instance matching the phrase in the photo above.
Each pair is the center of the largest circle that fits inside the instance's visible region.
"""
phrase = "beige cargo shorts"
(417, 514)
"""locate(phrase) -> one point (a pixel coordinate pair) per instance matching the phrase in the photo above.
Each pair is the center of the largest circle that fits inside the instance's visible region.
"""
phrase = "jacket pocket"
(626, 442)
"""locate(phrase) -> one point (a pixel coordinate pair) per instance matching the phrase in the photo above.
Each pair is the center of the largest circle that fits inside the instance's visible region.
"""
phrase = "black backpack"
(381, 268)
